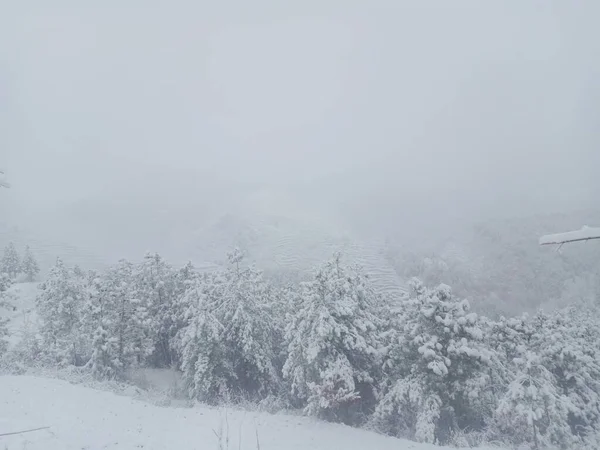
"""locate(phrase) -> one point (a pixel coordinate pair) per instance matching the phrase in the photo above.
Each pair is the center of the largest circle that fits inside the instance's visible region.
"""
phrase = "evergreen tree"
(226, 348)
(118, 321)
(30, 265)
(59, 305)
(98, 319)
(11, 263)
(567, 345)
(154, 291)
(511, 337)
(533, 409)
(332, 344)
(5, 283)
(185, 279)
(440, 370)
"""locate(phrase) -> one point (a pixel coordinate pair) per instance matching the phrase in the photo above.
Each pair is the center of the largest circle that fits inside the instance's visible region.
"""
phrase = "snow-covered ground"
(84, 418)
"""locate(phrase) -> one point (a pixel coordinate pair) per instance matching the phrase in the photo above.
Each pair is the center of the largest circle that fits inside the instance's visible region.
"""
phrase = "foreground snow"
(84, 418)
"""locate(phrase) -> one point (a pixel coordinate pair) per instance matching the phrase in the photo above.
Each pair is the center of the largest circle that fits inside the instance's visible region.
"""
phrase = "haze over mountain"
(342, 121)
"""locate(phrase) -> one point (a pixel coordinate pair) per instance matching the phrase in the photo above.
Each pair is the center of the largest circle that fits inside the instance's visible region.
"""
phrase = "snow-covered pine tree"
(246, 309)
(557, 354)
(440, 369)
(533, 410)
(5, 284)
(226, 348)
(568, 347)
(30, 266)
(98, 316)
(118, 321)
(511, 337)
(59, 305)
(154, 290)
(203, 362)
(285, 301)
(332, 343)
(11, 263)
(185, 279)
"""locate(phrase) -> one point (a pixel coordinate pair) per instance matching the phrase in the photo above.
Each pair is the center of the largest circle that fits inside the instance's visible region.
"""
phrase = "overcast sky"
(494, 104)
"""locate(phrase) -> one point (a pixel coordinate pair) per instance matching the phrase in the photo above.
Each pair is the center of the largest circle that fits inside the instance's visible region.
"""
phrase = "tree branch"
(24, 431)
(585, 234)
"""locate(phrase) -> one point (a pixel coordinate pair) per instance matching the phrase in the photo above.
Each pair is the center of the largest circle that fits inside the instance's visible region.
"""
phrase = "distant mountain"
(278, 230)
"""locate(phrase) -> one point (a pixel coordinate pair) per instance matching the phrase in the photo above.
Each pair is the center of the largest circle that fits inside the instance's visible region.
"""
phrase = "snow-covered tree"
(30, 266)
(555, 386)
(119, 322)
(59, 305)
(11, 263)
(568, 347)
(332, 342)
(226, 348)
(533, 409)
(184, 279)
(154, 292)
(110, 317)
(440, 369)
(206, 370)
(5, 283)
(511, 337)
(98, 318)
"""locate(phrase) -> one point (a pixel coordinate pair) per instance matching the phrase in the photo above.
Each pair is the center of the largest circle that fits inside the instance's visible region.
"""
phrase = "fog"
(120, 122)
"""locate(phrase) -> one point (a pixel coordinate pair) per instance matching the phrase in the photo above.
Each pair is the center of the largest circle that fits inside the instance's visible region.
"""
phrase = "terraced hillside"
(280, 231)
(279, 243)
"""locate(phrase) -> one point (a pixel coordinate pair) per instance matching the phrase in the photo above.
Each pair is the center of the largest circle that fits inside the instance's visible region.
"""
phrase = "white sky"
(470, 107)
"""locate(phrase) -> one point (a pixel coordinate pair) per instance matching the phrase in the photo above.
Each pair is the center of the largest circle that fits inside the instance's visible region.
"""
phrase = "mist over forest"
(370, 167)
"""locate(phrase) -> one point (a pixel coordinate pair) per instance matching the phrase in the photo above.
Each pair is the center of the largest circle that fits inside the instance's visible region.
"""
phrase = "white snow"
(571, 236)
(84, 418)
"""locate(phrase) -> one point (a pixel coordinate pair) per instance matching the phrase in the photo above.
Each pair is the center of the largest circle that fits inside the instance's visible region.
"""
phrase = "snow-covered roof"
(584, 234)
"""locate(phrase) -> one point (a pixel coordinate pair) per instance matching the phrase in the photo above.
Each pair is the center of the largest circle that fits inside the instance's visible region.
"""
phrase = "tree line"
(13, 265)
(422, 366)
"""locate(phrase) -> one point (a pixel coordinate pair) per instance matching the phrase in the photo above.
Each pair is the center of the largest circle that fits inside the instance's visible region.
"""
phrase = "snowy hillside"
(290, 244)
(46, 249)
(277, 231)
(122, 423)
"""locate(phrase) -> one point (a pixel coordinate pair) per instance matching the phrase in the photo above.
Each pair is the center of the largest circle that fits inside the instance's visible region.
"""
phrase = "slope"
(84, 418)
